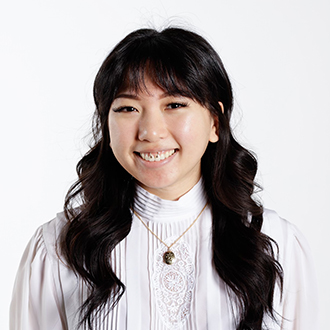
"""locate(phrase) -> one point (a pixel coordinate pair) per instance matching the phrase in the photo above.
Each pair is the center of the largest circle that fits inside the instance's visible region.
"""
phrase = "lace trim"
(174, 284)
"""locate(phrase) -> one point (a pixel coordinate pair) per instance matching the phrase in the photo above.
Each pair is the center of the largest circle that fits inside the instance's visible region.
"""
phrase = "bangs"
(177, 61)
(162, 66)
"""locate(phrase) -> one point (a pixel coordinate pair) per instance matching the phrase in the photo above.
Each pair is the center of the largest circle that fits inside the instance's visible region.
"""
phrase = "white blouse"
(187, 294)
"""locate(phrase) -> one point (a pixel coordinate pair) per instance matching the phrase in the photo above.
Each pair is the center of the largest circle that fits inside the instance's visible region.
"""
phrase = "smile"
(157, 156)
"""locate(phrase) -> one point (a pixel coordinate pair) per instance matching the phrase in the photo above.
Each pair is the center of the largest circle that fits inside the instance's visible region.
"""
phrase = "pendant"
(168, 257)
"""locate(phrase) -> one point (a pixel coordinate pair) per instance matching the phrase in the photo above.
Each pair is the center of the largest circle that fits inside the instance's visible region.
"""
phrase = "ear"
(222, 107)
(214, 136)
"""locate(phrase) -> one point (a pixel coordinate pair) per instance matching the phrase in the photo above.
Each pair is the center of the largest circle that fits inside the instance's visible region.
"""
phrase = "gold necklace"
(169, 256)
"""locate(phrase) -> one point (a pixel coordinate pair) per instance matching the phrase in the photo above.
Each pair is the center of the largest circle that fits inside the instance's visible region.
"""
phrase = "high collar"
(152, 208)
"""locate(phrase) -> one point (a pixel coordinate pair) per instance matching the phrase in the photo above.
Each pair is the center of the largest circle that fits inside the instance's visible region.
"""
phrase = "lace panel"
(174, 284)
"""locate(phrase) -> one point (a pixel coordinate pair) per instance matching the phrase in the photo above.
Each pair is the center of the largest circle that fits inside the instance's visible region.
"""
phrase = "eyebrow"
(127, 96)
(136, 97)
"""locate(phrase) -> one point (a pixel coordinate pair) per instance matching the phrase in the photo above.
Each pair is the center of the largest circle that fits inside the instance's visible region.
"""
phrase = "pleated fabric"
(187, 295)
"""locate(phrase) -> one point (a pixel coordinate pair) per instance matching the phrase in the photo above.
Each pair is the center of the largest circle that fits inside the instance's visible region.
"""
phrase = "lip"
(155, 150)
(159, 156)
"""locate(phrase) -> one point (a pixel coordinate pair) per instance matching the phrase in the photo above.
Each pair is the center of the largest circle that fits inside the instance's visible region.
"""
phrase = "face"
(160, 139)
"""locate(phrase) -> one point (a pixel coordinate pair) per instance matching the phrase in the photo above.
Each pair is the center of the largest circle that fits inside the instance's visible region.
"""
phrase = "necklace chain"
(169, 246)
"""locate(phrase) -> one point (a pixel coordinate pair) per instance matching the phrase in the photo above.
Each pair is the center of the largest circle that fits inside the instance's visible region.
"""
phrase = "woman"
(161, 231)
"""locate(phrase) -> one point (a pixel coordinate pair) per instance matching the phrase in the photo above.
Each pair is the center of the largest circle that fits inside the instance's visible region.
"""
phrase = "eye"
(176, 105)
(124, 109)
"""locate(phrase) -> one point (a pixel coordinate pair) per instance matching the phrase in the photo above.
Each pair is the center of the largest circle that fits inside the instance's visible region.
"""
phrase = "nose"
(152, 126)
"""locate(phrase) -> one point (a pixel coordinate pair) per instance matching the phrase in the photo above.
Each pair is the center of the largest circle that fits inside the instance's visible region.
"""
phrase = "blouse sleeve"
(298, 307)
(36, 301)
(300, 297)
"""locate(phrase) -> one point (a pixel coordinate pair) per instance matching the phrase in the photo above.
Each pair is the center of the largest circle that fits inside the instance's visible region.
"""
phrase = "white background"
(276, 52)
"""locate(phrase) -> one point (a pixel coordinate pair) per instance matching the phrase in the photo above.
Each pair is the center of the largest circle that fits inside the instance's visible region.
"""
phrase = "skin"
(153, 124)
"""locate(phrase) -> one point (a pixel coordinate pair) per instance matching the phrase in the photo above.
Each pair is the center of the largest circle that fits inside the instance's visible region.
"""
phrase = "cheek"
(183, 132)
(115, 134)
(118, 143)
(116, 127)
(185, 126)
(194, 129)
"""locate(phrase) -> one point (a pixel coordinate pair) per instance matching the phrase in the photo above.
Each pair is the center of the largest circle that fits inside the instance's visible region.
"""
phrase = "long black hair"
(179, 62)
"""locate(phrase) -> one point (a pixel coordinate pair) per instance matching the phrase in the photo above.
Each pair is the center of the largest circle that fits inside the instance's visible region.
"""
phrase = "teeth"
(156, 157)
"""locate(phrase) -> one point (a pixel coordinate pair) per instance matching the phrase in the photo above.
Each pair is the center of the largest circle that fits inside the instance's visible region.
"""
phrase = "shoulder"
(51, 231)
(276, 227)
(44, 287)
(45, 240)
(42, 257)
(279, 229)
(291, 243)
